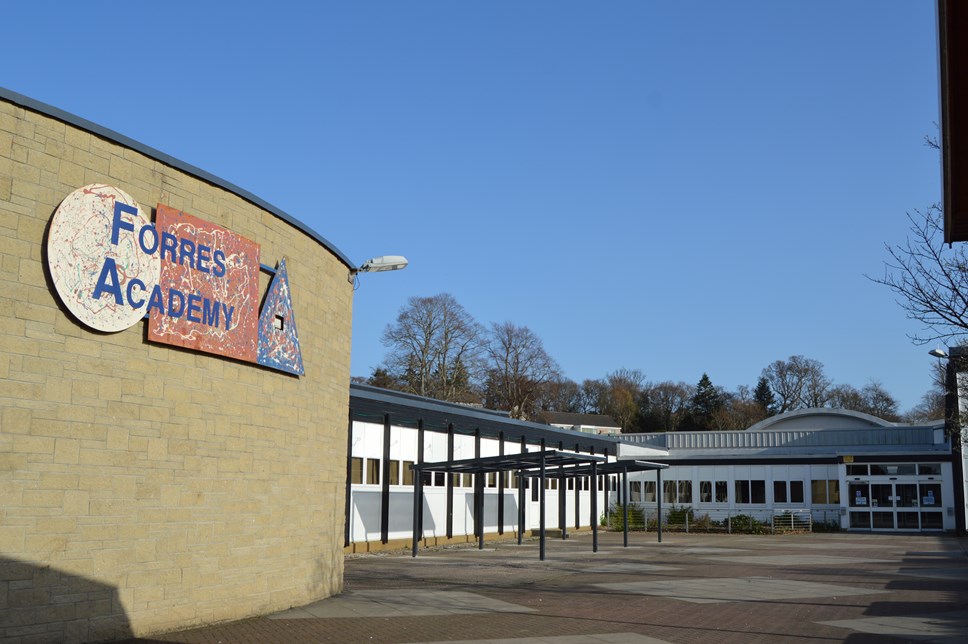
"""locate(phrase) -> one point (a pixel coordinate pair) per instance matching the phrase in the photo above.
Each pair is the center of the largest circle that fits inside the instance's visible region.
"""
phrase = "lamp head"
(384, 263)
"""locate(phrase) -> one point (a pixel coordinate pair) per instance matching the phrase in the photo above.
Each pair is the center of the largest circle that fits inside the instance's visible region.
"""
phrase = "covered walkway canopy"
(543, 464)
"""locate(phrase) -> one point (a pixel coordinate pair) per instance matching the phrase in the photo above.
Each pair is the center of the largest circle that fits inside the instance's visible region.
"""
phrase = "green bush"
(747, 523)
(613, 519)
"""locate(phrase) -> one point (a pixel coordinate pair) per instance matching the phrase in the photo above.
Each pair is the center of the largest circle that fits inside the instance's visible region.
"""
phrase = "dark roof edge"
(111, 135)
(390, 396)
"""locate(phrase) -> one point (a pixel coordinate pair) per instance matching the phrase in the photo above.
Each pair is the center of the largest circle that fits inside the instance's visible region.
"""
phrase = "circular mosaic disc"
(78, 246)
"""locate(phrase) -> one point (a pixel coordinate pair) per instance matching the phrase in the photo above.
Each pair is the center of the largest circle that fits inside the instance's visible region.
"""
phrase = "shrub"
(613, 520)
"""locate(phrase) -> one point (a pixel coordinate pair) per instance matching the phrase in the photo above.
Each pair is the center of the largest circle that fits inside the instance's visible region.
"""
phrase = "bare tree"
(740, 410)
(816, 389)
(561, 394)
(435, 348)
(931, 407)
(666, 404)
(594, 393)
(519, 367)
(797, 382)
(873, 399)
(929, 279)
(621, 396)
(879, 402)
(846, 397)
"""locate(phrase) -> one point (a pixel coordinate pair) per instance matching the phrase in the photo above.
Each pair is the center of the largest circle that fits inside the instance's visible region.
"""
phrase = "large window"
(825, 492)
(713, 492)
(748, 492)
(677, 492)
(788, 491)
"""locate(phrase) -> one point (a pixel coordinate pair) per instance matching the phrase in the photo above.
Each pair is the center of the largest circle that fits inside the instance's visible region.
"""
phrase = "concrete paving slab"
(709, 591)
(608, 638)
(936, 627)
(947, 572)
(505, 594)
(798, 560)
(409, 602)
(627, 568)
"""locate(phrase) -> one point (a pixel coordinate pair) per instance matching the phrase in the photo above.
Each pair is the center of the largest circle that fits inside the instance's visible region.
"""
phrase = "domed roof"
(821, 418)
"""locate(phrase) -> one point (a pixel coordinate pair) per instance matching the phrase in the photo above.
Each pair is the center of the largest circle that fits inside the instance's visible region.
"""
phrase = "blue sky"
(675, 187)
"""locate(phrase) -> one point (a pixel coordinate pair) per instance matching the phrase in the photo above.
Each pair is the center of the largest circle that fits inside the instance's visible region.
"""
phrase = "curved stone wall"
(148, 487)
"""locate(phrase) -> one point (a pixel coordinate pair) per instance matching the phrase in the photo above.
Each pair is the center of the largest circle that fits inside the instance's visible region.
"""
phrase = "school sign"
(196, 283)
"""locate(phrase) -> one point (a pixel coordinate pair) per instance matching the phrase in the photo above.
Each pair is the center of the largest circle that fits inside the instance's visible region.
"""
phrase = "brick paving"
(853, 588)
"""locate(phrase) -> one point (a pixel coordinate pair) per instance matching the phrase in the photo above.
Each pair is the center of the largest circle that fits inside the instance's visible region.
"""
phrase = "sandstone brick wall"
(143, 487)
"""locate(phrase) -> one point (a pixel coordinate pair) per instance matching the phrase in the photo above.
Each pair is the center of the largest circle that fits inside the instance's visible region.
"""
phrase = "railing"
(792, 521)
(686, 519)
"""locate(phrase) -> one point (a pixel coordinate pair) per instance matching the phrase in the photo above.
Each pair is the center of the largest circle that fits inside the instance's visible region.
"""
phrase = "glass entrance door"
(895, 506)
(882, 506)
(906, 495)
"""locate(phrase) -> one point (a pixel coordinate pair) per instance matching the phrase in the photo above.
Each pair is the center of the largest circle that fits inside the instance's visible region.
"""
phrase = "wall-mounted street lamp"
(938, 353)
(379, 265)
(384, 263)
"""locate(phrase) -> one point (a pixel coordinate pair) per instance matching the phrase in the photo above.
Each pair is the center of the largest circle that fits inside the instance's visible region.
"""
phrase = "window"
(668, 491)
(648, 492)
(779, 492)
(468, 480)
(394, 472)
(751, 491)
(856, 470)
(372, 471)
(758, 491)
(356, 470)
(492, 479)
(439, 479)
(929, 469)
(796, 491)
(677, 492)
(635, 490)
(825, 492)
(408, 472)
(893, 469)
(722, 492)
(685, 492)
(706, 489)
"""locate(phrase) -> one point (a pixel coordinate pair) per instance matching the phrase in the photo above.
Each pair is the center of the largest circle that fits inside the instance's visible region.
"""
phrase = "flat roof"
(368, 403)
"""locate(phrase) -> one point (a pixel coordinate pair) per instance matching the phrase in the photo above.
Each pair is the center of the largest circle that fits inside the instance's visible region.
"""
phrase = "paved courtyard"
(690, 588)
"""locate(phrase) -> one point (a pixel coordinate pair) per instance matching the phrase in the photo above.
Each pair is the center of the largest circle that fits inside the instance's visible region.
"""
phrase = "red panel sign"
(208, 298)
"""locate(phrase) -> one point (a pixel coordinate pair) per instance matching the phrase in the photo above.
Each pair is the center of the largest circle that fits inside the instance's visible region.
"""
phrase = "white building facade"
(847, 469)
(844, 469)
(390, 431)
